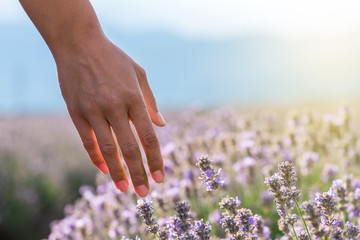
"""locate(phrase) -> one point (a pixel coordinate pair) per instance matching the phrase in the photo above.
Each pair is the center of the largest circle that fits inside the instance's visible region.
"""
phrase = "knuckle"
(142, 73)
(134, 97)
(130, 150)
(152, 101)
(150, 139)
(108, 149)
(89, 145)
(137, 178)
(134, 100)
(109, 102)
(118, 176)
(72, 108)
(154, 163)
(87, 107)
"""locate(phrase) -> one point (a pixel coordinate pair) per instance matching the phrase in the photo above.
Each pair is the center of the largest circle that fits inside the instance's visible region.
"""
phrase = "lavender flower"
(354, 207)
(125, 238)
(329, 172)
(231, 226)
(308, 160)
(181, 225)
(283, 226)
(282, 185)
(260, 230)
(312, 215)
(339, 187)
(303, 236)
(164, 233)
(208, 177)
(287, 174)
(246, 219)
(274, 183)
(230, 204)
(337, 233)
(146, 212)
(266, 199)
(352, 230)
(326, 203)
(202, 230)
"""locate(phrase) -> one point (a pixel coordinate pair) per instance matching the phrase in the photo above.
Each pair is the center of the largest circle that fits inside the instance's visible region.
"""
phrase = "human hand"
(103, 88)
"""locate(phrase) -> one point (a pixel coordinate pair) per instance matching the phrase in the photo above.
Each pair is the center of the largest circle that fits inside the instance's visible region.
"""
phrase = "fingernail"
(122, 185)
(103, 168)
(161, 118)
(157, 176)
(141, 190)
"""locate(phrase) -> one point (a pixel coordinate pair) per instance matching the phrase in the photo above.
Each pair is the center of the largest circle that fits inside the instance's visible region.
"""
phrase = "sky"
(219, 18)
(210, 51)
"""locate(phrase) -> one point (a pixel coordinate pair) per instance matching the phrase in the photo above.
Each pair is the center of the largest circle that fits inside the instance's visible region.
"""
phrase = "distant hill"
(245, 70)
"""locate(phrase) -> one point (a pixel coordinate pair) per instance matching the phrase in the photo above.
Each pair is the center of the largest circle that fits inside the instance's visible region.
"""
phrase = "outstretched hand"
(103, 88)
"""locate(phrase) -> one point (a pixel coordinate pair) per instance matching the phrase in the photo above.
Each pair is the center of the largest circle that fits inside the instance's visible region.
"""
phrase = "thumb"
(155, 116)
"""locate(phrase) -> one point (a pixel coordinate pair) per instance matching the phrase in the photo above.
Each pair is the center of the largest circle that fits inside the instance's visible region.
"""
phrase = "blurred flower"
(146, 213)
(246, 147)
(211, 179)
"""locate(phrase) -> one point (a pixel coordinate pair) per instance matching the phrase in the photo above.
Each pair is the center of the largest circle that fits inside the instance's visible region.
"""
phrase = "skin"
(104, 89)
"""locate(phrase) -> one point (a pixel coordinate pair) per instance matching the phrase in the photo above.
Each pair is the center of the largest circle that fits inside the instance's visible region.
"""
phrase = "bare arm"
(103, 88)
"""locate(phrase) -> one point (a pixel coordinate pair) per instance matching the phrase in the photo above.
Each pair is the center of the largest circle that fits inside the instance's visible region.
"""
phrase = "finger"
(155, 115)
(110, 152)
(90, 144)
(149, 141)
(131, 154)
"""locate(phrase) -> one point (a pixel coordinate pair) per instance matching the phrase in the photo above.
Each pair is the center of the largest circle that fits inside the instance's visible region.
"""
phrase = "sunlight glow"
(219, 18)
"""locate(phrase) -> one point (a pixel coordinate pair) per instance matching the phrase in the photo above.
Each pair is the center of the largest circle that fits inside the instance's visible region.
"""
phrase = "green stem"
(301, 215)
(292, 225)
(343, 217)
(302, 218)
(221, 196)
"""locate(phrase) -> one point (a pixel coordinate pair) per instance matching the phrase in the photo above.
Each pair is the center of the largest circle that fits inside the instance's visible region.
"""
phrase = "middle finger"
(131, 153)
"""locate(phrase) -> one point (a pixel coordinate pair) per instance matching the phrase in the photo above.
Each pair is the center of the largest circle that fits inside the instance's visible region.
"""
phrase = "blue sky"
(212, 51)
(219, 18)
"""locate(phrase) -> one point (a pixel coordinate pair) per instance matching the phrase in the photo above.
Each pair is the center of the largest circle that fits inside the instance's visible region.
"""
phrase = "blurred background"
(201, 51)
(213, 53)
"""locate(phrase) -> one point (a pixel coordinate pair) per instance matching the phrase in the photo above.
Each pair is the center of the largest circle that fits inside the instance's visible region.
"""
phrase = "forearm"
(64, 24)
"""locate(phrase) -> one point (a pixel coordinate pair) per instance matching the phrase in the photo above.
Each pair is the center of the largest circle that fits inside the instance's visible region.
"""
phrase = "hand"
(103, 88)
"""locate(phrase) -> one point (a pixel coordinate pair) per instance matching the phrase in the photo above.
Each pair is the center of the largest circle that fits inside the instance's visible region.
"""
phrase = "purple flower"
(336, 222)
(202, 230)
(326, 202)
(209, 174)
(208, 177)
(338, 183)
(352, 230)
(181, 225)
(251, 221)
(230, 204)
(146, 212)
(220, 181)
(189, 175)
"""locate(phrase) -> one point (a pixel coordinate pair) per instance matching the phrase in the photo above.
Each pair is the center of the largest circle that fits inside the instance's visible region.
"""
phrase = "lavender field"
(230, 174)
(42, 166)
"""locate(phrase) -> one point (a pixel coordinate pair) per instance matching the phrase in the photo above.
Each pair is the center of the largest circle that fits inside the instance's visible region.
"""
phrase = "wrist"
(79, 43)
